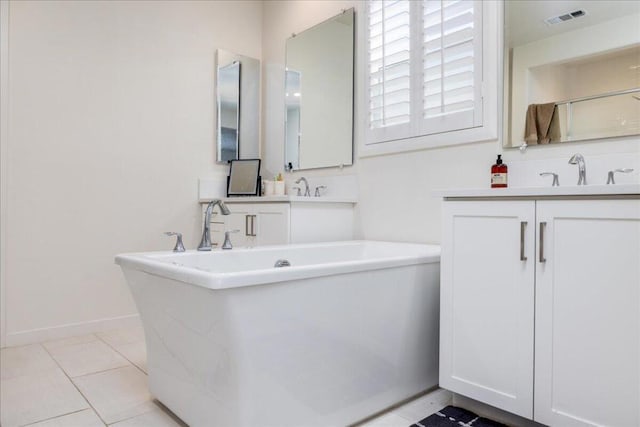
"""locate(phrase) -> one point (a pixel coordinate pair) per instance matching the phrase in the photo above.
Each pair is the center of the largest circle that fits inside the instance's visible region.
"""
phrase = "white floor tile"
(157, 418)
(388, 420)
(25, 360)
(65, 342)
(117, 394)
(424, 406)
(119, 337)
(30, 398)
(135, 352)
(86, 418)
(85, 355)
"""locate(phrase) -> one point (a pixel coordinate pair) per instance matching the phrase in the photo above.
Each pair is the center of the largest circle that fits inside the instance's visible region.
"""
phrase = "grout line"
(99, 372)
(57, 416)
(74, 384)
(123, 355)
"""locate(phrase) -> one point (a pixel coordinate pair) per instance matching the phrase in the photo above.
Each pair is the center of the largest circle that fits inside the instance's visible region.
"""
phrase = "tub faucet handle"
(179, 247)
(227, 241)
(318, 188)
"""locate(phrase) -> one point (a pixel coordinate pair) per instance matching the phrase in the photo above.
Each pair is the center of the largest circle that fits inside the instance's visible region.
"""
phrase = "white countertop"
(533, 192)
(285, 199)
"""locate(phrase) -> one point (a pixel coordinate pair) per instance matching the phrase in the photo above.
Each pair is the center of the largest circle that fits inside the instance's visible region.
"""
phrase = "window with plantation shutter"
(389, 65)
(424, 64)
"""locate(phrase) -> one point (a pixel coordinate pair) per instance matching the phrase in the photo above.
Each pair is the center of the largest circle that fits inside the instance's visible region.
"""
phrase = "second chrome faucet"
(307, 192)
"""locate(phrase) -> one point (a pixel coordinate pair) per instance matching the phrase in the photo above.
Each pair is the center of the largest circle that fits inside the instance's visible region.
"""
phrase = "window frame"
(398, 139)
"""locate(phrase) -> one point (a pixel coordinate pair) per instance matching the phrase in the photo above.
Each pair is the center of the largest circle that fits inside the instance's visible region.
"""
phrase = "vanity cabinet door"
(239, 219)
(487, 302)
(587, 356)
(272, 226)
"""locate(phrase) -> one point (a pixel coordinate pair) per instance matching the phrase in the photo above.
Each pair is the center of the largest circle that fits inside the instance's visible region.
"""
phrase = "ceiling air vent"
(566, 17)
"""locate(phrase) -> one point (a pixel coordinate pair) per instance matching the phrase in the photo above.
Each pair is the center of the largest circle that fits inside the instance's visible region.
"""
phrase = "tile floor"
(100, 379)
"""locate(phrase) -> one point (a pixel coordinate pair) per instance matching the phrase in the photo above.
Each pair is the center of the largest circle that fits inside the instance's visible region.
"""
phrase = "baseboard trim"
(71, 329)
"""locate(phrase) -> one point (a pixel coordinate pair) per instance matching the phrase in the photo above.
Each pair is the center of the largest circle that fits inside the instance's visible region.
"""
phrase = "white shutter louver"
(389, 73)
(449, 51)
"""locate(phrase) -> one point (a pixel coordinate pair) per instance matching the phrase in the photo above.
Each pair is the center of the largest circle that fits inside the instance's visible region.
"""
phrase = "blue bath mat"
(456, 417)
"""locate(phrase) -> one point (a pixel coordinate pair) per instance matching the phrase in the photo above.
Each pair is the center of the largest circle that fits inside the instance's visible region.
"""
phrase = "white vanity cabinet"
(258, 224)
(540, 307)
(264, 221)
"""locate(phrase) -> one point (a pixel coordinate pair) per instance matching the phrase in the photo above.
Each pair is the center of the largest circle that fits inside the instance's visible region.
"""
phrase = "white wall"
(110, 125)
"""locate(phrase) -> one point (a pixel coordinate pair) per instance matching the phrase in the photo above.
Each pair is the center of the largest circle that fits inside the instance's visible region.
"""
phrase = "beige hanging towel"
(542, 125)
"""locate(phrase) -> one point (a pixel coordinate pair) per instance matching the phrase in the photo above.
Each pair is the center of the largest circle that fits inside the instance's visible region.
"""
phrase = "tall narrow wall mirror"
(238, 98)
(319, 95)
(572, 71)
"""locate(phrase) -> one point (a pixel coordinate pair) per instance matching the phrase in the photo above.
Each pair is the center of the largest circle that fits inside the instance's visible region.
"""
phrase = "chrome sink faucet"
(307, 192)
(205, 242)
(577, 159)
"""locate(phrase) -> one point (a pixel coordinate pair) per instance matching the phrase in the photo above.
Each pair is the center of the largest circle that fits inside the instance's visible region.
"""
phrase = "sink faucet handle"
(179, 247)
(227, 241)
(611, 179)
(318, 188)
(299, 190)
(555, 182)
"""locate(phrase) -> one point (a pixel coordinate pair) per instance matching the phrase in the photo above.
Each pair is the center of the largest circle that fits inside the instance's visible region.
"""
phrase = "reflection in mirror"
(228, 111)
(319, 95)
(572, 71)
(292, 119)
(244, 178)
(238, 97)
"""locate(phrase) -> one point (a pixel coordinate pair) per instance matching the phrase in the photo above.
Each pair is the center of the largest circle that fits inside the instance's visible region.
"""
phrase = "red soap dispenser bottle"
(499, 174)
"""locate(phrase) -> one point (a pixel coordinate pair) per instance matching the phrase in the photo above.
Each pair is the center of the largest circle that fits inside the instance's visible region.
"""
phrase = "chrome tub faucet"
(577, 159)
(205, 242)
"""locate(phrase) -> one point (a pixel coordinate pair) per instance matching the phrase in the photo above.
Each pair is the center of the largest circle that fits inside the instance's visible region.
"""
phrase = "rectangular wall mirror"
(238, 97)
(572, 71)
(319, 95)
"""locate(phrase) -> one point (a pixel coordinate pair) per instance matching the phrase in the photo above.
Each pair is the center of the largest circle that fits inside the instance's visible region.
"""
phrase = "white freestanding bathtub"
(347, 330)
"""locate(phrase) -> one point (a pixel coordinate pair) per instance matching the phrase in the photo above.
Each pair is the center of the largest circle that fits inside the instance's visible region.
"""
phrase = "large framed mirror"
(572, 71)
(319, 95)
(238, 106)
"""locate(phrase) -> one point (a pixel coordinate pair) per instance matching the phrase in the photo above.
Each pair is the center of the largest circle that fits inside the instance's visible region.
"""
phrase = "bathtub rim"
(145, 262)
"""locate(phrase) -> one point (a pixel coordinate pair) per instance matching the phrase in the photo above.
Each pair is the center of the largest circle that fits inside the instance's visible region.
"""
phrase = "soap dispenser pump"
(499, 174)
